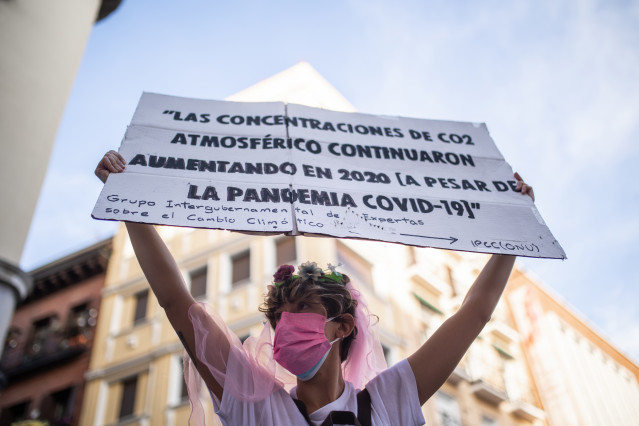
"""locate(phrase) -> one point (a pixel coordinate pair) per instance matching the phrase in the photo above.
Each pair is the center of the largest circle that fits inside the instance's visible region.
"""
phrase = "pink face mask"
(300, 344)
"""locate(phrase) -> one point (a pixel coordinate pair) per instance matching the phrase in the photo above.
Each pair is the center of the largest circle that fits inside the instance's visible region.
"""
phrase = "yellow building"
(135, 372)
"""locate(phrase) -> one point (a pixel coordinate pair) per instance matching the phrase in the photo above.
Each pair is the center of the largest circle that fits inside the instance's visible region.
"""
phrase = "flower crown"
(308, 270)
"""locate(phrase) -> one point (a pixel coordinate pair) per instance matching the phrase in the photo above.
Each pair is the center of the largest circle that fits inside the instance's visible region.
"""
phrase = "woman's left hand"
(524, 187)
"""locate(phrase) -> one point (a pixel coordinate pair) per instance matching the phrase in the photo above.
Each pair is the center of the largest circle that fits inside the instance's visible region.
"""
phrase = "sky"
(555, 81)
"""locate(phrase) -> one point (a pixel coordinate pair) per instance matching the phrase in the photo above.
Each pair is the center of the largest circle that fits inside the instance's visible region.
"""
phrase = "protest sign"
(284, 168)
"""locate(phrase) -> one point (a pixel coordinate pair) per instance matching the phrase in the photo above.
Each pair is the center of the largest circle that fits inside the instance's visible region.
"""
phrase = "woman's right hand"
(112, 162)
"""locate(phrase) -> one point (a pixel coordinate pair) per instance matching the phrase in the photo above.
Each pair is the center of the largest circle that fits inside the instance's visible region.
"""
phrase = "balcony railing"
(488, 391)
(42, 352)
(491, 382)
(526, 411)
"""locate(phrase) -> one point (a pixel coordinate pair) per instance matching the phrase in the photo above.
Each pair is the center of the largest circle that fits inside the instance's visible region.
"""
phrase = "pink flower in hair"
(284, 272)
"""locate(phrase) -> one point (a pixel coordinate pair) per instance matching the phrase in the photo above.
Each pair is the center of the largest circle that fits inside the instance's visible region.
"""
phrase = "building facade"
(49, 342)
(581, 378)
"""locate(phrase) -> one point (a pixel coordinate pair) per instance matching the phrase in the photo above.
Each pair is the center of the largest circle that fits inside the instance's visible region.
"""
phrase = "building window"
(387, 354)
(285, 251)
(198, 283)
(184, 392)
(488, 421)
(127, 403)
(80, 321)
(241, 268)
(45, 335)
(356, 267)
(447, 410)
(57, 407)
(14, 413)
(141, 302)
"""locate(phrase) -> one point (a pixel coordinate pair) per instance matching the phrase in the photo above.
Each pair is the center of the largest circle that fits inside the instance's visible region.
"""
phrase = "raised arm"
(436, 359)
(163, 275)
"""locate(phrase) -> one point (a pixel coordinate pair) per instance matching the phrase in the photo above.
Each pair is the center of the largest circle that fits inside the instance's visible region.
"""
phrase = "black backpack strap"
(364, 407)
(344, 417)
(302, 407)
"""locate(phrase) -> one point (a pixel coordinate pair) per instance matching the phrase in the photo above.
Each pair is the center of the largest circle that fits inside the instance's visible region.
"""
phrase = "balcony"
(502, 331)
(488, 392)
(42, 353)
(433, 286)
(526, 411)
(487, 381)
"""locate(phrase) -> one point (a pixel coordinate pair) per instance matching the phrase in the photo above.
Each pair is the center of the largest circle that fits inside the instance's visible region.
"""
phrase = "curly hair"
(335, 298)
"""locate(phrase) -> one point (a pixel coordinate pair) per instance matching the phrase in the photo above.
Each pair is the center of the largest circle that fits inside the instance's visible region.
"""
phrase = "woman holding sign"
(318, 337)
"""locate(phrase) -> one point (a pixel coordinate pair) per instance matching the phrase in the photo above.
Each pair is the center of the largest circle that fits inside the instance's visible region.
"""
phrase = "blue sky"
(556, 83)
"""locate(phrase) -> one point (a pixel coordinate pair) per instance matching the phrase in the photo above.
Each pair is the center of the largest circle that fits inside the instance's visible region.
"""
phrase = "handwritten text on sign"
(276, 168)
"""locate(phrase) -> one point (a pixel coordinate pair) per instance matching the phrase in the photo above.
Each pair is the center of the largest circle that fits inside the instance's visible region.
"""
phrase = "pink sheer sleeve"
(247, 372)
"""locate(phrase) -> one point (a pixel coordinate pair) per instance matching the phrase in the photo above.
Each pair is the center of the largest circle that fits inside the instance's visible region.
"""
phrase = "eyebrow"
(311, 299)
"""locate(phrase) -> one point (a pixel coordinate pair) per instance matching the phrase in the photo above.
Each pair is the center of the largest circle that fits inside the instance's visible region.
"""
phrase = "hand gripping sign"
(284, 168)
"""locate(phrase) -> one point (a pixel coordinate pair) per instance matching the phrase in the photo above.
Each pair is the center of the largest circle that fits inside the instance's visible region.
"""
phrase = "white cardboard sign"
(278, 168)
